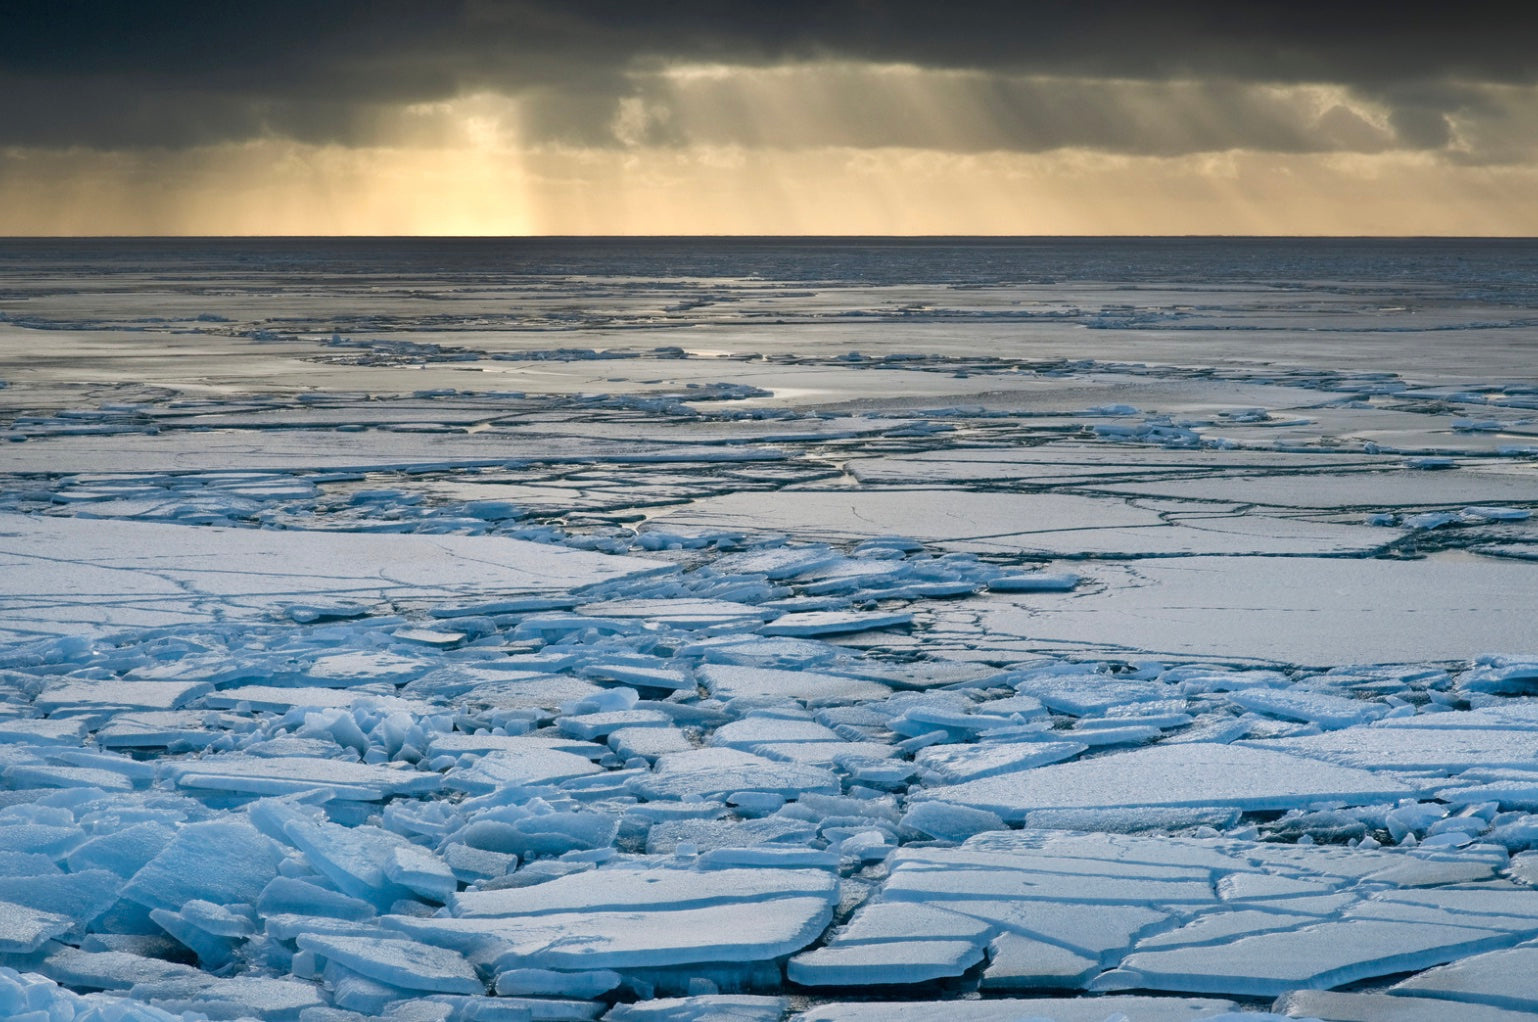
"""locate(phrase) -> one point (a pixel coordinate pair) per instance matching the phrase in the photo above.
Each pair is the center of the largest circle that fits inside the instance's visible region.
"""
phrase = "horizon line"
(768, 237)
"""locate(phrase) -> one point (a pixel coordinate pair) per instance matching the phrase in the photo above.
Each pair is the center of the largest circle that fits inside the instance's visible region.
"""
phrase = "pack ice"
(749, 633)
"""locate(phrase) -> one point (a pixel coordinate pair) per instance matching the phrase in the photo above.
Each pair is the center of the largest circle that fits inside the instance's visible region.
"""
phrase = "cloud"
(861, 105)
(611, 116)
(185, 72)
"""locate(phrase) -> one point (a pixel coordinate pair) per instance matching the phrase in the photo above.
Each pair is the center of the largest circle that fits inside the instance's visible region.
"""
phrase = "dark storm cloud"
(125, 73)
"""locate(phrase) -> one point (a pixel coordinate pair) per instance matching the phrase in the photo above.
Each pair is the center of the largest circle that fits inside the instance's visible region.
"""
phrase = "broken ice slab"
(712, 1007)
(1018, 962)
(909, 961)
(1436, 746)
(24, 776)
(1216, 928)
(82, 897)
(366, 862)
(940, 875)
(280, 699)
(639, 671)
(1035, 582)
(263, 776)
(43, 731)
(716, 773)
(505, 691)
(81, 696)
(1133, 819)
(757, 729)
(1080, 690)
(627, 940)
(182, 730)
(108, 970)
(731, 681)
(436, 638)
(953, 764)
(648, 742)
(529, 767)
(1330, 712)
(227, 862)
(258, 775)
(359, 667)
(1324, 955)
(24, 929)
(1500, 979)
(812, 623)
(682, 613)
(886, 922)
(232, 997)
(1058, 1009)
(404, 964)
(121, 575)
(1337, 1006)
(929, 673)
(773, 835)
(618, 889)
(597, 726)
(1195, 774)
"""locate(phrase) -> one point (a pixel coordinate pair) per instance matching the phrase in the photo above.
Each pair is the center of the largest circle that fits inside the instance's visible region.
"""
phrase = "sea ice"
(375, 646)
(1169, 776)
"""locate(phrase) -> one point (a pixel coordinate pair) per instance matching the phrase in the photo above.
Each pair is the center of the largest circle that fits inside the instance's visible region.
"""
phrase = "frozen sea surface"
(761, 631)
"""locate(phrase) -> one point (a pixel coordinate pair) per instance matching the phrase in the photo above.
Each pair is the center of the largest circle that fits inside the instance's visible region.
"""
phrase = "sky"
(511, 117)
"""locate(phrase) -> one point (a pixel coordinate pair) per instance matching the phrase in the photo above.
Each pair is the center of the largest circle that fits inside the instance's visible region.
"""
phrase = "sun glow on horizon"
(825, 148)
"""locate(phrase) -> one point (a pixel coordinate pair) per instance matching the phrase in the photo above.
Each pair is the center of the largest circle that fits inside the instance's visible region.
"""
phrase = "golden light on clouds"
(831, 148)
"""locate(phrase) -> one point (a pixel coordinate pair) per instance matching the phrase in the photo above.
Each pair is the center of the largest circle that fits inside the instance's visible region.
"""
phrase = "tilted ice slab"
(399, 963)
(1354, 1007)
(1502, 979)
(24, 930)
(648, 890)
(258, 775)
(812, 623)
(1193, 774)
(630, 939)
(60, 575)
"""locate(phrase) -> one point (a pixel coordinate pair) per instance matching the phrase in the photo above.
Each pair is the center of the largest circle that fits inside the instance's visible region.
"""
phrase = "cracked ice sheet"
(1029, 524)
(300, 450)
(1076, 463)
(66, 576)
(1292, 610)
(1154, 913)
(1199, 774)
(1374, 490)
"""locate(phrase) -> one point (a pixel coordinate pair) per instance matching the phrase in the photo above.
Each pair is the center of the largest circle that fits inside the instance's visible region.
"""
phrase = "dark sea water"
(1493, 266)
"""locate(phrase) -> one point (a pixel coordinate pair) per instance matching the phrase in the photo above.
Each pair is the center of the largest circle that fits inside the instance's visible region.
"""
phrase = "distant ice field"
(663, 630)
